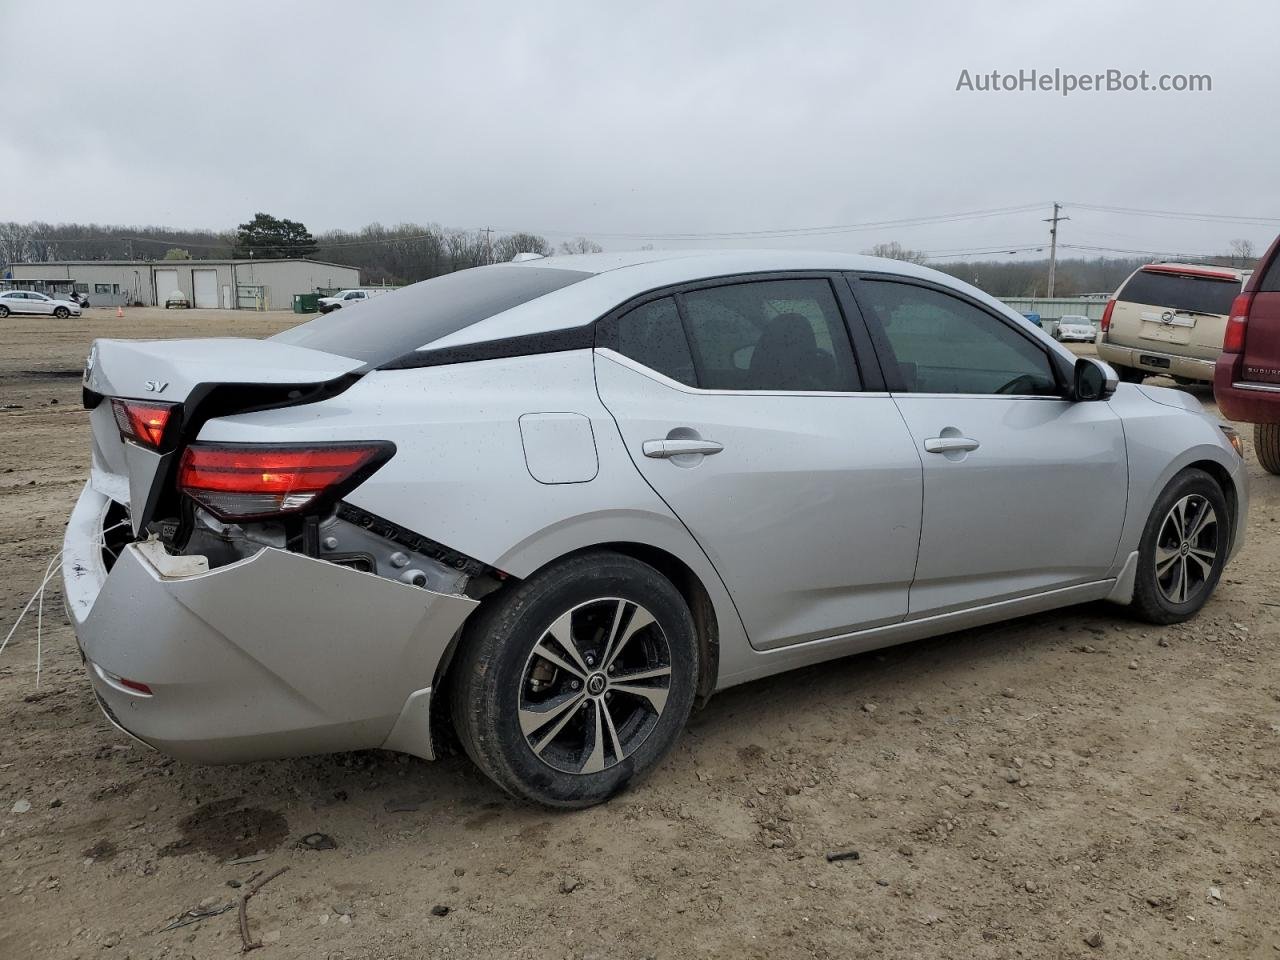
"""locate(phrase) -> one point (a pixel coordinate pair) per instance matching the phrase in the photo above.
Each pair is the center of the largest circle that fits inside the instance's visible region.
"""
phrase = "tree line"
(404, 253)
(409, 252)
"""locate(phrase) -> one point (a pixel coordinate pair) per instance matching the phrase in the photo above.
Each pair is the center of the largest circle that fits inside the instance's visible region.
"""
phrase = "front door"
(1024, 491)
(742, 406)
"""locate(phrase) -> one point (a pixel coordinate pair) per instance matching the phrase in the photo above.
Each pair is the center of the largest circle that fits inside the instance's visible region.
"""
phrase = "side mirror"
(1094, 380)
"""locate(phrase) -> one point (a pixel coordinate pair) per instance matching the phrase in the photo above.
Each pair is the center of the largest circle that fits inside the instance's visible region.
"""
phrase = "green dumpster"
(306, 303)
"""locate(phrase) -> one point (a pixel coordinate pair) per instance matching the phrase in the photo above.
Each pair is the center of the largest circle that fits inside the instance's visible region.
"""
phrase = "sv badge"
(156, 386)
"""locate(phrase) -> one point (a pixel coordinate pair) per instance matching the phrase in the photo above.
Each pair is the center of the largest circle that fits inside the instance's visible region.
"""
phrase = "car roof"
(703, 262)
(614, 278)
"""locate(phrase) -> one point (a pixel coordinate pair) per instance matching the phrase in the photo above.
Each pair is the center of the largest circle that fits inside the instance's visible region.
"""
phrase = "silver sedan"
(29, 301)
(547, 507)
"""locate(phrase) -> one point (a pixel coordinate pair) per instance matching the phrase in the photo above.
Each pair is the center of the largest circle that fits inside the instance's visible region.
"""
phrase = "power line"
(1178, 215)
(1140, 253)
(783, 232)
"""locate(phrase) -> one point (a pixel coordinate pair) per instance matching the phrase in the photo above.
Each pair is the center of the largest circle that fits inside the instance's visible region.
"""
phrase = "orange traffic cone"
(119, 310)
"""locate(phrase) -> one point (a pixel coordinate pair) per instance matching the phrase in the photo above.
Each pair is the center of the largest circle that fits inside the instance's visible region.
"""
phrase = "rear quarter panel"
(460, 474)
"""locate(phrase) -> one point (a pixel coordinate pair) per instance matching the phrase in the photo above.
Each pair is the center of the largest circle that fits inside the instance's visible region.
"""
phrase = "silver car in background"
(548, 506)
(38, 304)
(1077, 328)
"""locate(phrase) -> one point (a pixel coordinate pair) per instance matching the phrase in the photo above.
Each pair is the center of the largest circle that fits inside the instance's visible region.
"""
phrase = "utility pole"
(488, 244)
(1053, 244)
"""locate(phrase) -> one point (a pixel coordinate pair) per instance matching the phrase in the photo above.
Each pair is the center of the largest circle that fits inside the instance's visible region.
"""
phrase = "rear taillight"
(243, 481)
(1237, 323)
(1105, 325)
(143, 423)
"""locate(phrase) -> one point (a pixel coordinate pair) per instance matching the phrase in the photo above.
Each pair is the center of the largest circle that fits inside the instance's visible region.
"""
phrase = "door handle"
(666, 449)
(950, 444)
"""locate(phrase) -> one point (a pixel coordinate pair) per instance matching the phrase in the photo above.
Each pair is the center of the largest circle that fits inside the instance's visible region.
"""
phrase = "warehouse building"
(229, 284)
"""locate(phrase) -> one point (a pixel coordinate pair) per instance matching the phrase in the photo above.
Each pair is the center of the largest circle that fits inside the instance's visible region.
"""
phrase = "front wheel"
(577, 681)
(1266, 443)
(4, 311)
(1183, 549)
(62, 313)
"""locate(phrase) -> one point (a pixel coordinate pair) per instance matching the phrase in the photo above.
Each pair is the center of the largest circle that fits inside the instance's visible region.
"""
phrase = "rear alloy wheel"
(1266, 443)
(576, 681)
(1184, 548)
(61, 313)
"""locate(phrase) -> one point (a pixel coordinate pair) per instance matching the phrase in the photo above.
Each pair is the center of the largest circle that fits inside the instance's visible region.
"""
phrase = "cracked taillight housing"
(142, 422)
(251, 481)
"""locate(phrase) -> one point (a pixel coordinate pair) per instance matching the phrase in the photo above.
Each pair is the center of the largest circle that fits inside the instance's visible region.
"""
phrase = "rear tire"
(1183, 549)
(1266, 443)
(553, 723)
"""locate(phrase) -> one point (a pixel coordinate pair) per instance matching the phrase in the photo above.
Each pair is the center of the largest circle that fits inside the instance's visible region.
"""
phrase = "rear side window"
(1180, 292)
(1270, 282)
(782, 335)
(396, 323)
(651, 334)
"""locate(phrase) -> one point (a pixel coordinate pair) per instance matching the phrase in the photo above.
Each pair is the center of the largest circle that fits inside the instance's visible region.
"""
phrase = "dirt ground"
(1012, 791)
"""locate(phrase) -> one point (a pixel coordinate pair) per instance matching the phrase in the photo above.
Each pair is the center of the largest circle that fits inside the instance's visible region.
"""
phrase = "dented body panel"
(275, 655)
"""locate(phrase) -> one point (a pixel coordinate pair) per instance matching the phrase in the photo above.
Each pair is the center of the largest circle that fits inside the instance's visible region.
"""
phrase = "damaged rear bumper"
(275, 655)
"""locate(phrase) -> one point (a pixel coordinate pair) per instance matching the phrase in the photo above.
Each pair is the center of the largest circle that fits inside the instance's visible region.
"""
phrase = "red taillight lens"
(238, 482)
(143, 423)
(1105, 325)
(1237, 323)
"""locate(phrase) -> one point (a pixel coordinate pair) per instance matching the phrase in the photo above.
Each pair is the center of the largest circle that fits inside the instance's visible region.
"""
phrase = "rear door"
(1024, 491)
(1262, 336)
(741, 403)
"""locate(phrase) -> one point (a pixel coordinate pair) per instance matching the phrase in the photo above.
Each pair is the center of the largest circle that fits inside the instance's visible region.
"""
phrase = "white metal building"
(229, 284)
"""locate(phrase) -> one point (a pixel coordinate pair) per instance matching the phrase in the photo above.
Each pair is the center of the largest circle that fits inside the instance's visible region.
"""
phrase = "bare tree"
(1242, 253)
(581, 245)
(506, 247)
(893, 250)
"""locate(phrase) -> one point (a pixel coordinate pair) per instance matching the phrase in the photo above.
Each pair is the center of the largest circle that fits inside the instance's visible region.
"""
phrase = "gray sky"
(605, 119)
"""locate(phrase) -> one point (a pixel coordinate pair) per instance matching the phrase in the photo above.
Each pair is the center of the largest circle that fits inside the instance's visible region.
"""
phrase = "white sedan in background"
(28, 301)
(1074, 328)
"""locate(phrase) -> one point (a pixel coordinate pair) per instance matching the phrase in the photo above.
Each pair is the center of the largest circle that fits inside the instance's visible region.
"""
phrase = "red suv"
(1246, 381)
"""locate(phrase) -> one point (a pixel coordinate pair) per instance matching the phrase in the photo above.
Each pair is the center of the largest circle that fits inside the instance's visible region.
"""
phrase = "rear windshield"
(1193, 294)
(391, 325)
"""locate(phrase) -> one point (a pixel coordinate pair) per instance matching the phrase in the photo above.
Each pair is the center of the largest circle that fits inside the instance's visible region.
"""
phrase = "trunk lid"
(201, 378)
(1262, 335)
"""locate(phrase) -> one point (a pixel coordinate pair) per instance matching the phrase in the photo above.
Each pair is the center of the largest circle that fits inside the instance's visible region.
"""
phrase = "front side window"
(942, 344)
(777, 335)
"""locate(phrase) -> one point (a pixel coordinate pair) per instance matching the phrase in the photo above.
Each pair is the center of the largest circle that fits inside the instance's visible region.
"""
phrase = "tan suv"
(1169, 318)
